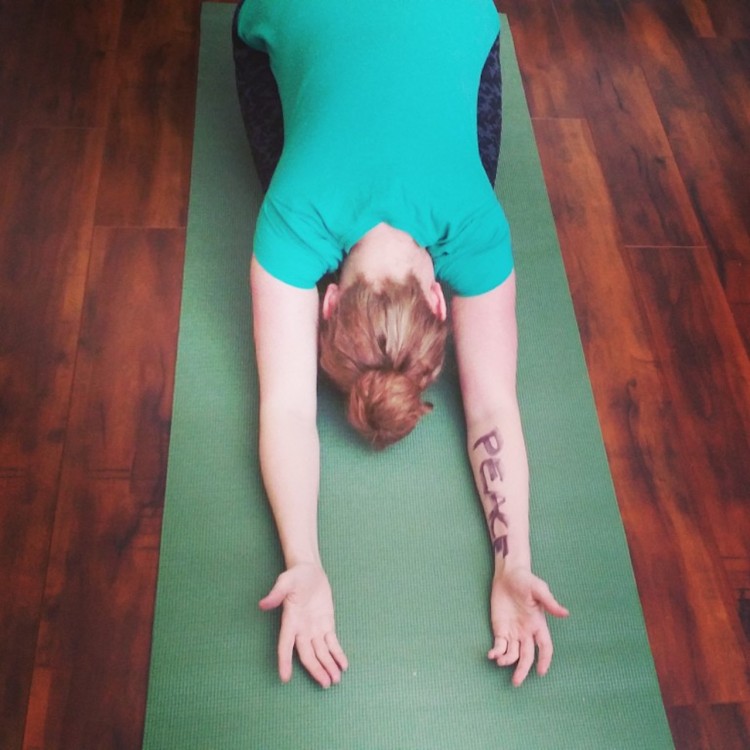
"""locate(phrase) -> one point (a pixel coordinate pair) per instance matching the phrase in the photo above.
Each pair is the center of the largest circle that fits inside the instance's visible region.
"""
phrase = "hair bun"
(385, 406)
(382, 346)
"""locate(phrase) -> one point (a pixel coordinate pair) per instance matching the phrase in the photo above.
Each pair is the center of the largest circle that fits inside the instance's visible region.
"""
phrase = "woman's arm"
(486, 348)
(285, 321)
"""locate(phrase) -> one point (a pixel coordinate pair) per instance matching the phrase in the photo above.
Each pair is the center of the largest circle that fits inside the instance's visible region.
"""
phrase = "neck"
(388, 252)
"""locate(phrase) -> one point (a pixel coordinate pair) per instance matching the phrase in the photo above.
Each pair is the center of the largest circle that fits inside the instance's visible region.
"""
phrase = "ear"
(330, 300)
(436, 300)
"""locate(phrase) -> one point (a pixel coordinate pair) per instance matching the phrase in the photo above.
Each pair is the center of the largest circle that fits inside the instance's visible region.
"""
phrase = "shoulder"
(292, 242)
(477, 254)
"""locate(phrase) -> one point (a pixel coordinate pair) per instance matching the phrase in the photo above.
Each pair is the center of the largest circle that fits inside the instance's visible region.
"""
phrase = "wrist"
(299, 544)
(513, 561)
(293, 560)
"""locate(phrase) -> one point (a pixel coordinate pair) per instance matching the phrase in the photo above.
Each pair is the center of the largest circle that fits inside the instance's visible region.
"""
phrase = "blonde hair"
(382, 347)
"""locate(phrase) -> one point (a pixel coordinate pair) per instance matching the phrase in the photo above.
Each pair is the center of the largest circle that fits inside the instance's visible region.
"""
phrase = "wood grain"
(653, 206)
(725, 19)
(705, 727)
(94, 635)
(45, 233)
(14, 33)
(25, 527)
(684, 590)
(146, 166)
(707, 376)
(69, 69)
(741, 315)
(695, 85)
(543, 60)
(700, 17)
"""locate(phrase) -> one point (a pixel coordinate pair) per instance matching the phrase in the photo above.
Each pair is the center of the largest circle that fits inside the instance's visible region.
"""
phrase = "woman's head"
(382, 345)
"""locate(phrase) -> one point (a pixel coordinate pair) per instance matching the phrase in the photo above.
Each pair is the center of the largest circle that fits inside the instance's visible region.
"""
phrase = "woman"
(375, 128)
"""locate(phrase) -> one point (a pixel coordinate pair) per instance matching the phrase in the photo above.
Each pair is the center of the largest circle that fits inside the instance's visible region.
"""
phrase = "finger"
(510, 656)
(544, 596)
(336, 651)
(525, 660)
(275, 596)
(499, 649)
(323, 653)
(544, 644)
(311, 664)
(285, 651)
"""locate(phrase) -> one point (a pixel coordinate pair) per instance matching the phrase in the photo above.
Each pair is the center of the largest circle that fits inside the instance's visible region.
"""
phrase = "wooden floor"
(642, 115)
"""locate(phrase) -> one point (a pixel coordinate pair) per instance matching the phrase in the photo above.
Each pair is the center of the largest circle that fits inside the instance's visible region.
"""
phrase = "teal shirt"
(380, 125)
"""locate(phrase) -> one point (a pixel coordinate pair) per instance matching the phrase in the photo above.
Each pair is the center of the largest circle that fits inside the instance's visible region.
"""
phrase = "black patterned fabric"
(260, 105)
(490, 112)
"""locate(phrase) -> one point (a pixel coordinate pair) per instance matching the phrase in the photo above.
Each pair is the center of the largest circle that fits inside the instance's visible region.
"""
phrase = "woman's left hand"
(519, 603)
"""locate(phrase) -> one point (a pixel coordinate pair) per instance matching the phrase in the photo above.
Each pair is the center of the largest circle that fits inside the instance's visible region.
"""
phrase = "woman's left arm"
(486, 348)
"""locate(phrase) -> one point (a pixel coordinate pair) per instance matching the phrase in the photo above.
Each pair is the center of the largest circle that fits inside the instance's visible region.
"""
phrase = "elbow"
(283, 412)
(491, 414)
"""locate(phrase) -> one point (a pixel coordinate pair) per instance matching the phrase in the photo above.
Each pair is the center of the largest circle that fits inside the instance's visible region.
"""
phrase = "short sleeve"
(477, 256)
(293, 246)
(252, 27)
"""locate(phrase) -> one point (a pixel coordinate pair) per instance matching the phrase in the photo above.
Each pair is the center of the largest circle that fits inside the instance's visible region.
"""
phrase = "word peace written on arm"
(491, 476)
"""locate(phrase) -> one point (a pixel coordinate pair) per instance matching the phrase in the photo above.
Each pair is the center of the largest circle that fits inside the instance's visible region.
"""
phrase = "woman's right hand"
(307, 624)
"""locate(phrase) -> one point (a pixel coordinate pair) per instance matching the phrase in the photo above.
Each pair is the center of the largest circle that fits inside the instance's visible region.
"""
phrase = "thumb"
(275, 596)
(543, 596)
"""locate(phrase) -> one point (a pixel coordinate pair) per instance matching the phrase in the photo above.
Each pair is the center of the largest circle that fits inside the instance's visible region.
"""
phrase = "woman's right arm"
(285, 323)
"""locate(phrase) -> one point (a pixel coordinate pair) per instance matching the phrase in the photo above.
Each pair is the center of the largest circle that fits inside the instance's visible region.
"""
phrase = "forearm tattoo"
(491, 477)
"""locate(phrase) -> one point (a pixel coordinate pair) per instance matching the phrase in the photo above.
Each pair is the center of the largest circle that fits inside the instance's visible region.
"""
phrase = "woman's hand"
(518, 603)
(307, 624)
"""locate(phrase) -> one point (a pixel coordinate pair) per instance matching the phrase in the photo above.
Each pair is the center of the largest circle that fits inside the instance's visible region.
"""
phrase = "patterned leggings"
(260, 106)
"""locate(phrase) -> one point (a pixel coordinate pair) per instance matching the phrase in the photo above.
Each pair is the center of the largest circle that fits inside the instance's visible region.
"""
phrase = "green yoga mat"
(402, 534)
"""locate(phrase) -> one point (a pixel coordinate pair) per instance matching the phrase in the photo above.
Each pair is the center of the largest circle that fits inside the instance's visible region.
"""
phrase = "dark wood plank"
(69, 68)
(727, 19)
(543, 60)
(727, 76)
(677, 568)
(708, 379)
(94, 638)
(25, 522)
(741, 315)
(45, 230)
(711, 727)
(126, 356)
(653, 206)
(145, 174)
(724, 223)
(45, 235)
(743, 606)
(699, 17)
(738, 572)
(15, 30)
(691, 73)
(699, 88)
(90, 677)
(721, 70)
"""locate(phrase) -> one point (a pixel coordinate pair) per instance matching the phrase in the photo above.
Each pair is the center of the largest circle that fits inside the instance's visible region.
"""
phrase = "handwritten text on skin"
(491, 477)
